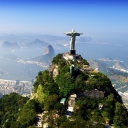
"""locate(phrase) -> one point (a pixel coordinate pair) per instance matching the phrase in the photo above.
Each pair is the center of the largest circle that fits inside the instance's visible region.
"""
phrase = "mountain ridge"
(9, 45)
(68, 94)
(37, 43)
(72, 75)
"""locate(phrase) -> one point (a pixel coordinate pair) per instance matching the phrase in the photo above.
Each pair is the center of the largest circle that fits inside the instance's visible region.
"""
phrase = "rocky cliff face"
(53, 70)
(49, 50)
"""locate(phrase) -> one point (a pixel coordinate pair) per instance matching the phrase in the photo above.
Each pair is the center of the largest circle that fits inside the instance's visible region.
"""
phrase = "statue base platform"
(68, 56)
(72, 52)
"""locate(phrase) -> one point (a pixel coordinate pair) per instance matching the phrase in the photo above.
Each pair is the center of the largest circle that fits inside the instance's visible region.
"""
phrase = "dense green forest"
(49, 89)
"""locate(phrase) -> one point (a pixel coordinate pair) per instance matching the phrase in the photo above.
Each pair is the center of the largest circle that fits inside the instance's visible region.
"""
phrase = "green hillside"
(58, 82)
(88, 99)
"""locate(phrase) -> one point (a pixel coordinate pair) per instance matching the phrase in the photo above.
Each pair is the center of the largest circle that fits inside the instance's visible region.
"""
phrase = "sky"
(99, 19)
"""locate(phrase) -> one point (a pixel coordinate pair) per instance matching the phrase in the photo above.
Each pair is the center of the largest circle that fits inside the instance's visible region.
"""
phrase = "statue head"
(73, 30)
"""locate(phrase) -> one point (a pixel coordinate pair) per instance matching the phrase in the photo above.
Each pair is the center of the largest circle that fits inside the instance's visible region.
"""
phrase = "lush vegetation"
(86, 108)
(19, 112)
(10, 106)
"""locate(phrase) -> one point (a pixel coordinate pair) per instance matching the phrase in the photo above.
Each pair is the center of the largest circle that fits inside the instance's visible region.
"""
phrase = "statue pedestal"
(72, 52)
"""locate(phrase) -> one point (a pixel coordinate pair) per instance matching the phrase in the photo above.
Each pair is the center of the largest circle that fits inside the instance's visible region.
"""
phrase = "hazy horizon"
(105, 20)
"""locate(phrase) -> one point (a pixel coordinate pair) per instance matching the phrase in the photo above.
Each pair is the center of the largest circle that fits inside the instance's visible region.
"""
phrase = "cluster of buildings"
(108, 59)
(120, 69)
(23, 88)
(33, 62)
(71, 105)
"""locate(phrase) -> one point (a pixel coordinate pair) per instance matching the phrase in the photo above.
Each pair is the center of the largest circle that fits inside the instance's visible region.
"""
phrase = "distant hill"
(36, 44)
(49, 50)
(43, 58)
(105, 64)
(11, 57)
(2, 72)
(47, 56)
(99, 65)
(9, 45)
(117, 72)
(120, 65)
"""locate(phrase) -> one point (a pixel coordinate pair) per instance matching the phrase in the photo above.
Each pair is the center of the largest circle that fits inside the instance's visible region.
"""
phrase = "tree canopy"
(20, 112)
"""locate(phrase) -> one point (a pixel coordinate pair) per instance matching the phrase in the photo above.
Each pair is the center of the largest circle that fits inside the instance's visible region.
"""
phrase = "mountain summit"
(36, 44)
(47, 56)
(9, 45)
(49, 50)
(73, 95)
(69, 94)
(78, 95)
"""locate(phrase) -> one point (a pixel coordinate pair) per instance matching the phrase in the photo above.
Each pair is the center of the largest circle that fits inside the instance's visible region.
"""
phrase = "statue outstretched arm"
(68, 33)
(78, 34)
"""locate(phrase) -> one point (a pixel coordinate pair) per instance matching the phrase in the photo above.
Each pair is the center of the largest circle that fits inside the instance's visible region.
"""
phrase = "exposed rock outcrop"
(53, 69)
(49, 50)
(95, 93)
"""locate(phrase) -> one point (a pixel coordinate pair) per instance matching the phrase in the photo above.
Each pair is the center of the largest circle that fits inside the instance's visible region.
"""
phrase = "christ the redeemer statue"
(72, 35)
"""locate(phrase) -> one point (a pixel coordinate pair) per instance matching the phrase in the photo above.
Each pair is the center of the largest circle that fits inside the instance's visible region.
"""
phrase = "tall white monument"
(72, 35)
